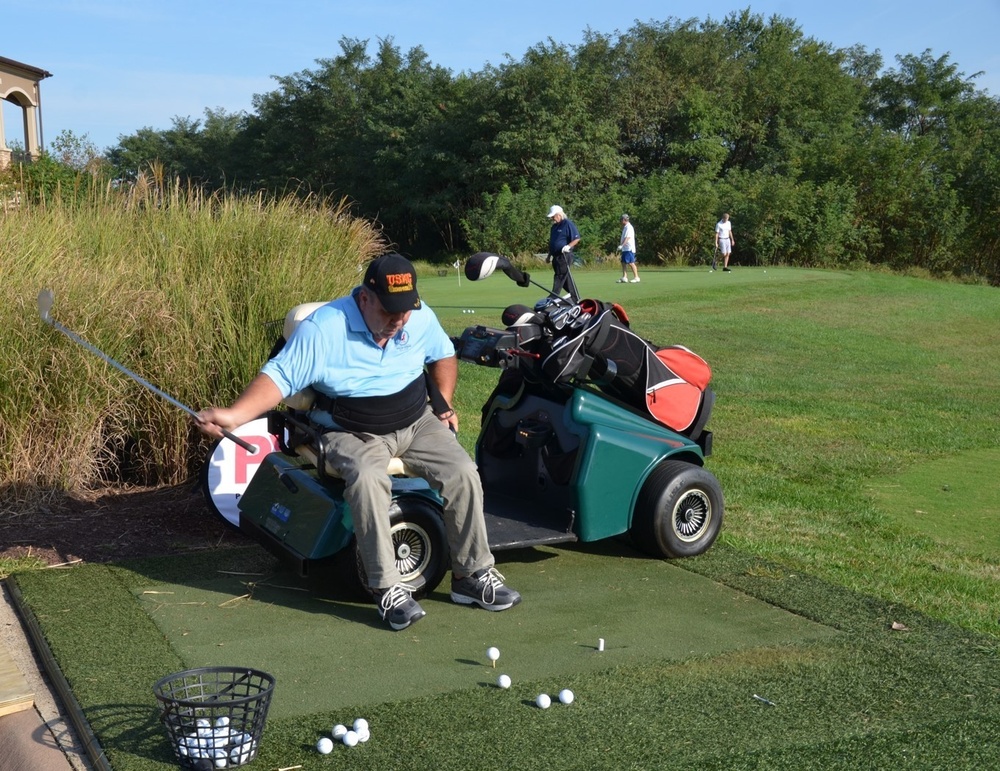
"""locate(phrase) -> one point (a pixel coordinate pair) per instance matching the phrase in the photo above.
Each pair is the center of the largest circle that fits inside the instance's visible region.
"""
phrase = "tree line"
(823, 156)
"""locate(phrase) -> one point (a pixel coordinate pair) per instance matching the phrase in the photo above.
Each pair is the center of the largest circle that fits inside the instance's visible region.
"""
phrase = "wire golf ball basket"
(214, 716)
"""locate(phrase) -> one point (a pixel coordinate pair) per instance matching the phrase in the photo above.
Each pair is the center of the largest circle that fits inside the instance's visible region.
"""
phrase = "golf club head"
(564, 316)
(45, 300)
(482, 265)
(547, 304)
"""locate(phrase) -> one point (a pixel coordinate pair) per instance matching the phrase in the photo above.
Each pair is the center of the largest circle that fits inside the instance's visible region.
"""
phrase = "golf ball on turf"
(503, 681)
(566, 696)
(543, 700)
(324, 746)
(492, 653)
(360, 725)
(351, 738)
(339, 731)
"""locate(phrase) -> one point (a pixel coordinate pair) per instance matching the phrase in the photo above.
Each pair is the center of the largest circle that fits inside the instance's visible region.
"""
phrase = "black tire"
(679, 511)
(421, 545)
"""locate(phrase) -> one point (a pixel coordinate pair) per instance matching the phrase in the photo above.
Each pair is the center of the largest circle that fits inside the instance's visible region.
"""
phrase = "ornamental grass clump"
(184, 288)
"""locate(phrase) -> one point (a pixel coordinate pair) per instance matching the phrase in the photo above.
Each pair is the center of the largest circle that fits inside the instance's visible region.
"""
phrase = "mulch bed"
(113, 525)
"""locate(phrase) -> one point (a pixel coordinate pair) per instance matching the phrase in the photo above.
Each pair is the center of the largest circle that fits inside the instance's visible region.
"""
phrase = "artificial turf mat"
(865, 697)
(328, 653)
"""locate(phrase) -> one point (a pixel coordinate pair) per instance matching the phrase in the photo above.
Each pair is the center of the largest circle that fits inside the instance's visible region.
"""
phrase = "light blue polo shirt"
(333, 351)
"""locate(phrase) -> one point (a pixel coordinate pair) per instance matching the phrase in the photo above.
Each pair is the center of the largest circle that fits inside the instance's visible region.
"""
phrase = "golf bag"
(591, 341)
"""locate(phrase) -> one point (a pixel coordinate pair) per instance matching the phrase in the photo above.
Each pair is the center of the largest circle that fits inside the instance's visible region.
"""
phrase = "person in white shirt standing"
(724, 241)
(627, 248)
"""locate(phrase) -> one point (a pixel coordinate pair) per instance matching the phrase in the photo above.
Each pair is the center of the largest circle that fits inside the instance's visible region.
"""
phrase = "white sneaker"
(622, 281)
(634, 280)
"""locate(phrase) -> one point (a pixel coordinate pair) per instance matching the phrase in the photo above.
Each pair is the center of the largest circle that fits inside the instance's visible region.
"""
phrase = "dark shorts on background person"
(628, 258)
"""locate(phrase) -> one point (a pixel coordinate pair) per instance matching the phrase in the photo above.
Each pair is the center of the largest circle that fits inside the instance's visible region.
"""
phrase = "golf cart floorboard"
(513, 523)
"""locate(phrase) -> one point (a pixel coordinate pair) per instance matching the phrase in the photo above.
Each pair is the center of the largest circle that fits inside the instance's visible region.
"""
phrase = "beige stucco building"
(19, 85)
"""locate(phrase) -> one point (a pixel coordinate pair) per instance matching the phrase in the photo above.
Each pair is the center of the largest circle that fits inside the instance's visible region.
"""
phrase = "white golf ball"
(566, 696)
(492, 653)
(223, 721)
(324, 746)
(543, 700)
(364, 736)
(339, 731)
(360, 725)
(503, 681)
(351, 738)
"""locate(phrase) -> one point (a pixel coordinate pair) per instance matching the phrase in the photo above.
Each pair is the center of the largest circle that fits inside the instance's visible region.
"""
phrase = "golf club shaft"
(141, 381)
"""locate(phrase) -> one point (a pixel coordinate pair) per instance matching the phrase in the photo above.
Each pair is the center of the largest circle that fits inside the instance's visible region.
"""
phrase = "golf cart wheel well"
(426, 496)
(684, 456)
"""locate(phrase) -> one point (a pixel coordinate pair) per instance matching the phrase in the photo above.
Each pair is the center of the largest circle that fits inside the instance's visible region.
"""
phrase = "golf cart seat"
(303, 401)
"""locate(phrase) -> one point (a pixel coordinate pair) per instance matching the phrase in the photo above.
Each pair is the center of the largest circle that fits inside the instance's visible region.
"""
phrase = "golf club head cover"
(516, 274)
(481, 265)
(519, 314)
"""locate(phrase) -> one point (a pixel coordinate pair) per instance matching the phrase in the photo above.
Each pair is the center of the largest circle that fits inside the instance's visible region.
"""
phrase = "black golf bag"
(591, 342)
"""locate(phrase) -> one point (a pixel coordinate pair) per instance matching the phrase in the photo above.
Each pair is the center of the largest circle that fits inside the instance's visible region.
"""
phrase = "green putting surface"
(327, 653)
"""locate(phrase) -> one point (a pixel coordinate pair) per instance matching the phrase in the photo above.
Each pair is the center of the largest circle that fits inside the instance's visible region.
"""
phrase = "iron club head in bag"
(45, 300)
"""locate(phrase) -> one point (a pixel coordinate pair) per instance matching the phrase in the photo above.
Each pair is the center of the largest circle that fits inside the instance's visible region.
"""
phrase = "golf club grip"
(241, 442)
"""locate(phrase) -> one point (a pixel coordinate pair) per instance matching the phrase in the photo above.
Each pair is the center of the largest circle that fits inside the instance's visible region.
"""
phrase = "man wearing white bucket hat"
(563, 236)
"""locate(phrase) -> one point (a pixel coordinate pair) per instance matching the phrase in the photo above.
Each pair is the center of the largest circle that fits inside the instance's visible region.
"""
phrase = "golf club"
(482, 265)
(45, 300)
(715, 257)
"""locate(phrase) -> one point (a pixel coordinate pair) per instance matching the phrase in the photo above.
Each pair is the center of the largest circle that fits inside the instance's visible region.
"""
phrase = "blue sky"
(121, 65)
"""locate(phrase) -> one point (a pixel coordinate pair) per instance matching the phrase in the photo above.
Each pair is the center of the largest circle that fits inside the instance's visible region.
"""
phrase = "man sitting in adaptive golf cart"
(364, 356)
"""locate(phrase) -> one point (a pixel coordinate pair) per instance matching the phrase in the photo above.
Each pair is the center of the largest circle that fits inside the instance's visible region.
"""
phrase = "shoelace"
(491, 581)
(395, 596)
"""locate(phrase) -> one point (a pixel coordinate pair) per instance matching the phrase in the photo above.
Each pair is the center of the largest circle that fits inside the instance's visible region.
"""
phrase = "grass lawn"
(855, 438)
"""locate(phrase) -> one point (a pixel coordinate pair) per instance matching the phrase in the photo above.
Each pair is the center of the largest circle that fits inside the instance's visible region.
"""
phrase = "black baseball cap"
(393, 279)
